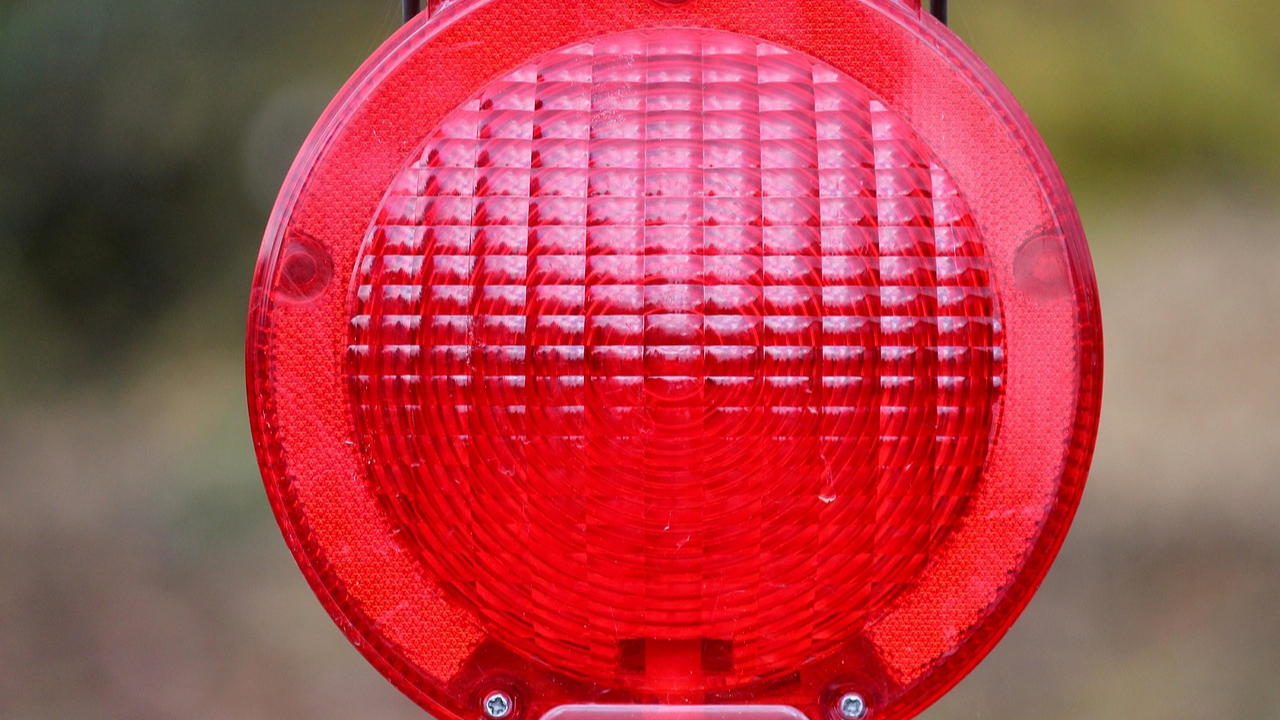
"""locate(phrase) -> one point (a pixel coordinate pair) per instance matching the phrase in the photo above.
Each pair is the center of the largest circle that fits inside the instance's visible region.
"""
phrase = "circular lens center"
(675, 355)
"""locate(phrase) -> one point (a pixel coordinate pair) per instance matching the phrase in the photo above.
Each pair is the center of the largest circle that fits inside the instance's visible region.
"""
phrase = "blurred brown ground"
(142, 576)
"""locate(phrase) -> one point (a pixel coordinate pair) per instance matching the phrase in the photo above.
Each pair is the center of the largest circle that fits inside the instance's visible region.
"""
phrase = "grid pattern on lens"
(674, 351)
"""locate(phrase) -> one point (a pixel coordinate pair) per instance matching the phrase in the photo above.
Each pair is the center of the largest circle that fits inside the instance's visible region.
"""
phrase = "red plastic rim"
(693, 354)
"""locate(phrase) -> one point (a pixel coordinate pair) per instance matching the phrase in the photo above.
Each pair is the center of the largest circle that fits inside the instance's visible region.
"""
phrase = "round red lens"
(695, 355)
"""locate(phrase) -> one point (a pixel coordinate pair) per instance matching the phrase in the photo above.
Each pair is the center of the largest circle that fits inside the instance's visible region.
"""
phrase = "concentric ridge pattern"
(674, 352)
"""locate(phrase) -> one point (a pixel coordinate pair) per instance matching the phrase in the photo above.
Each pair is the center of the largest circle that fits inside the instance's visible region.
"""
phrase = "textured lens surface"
(675, 357)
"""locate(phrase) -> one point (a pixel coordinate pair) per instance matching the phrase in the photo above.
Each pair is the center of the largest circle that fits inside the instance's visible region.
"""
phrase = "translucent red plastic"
(709, 355)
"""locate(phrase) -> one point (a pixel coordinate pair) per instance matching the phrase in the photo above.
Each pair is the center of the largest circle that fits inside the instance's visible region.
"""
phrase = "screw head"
(851, 706)
(497, 705)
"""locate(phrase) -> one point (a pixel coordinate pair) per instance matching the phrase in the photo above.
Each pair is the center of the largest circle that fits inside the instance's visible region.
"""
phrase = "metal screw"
(497, 705)
(851, 706)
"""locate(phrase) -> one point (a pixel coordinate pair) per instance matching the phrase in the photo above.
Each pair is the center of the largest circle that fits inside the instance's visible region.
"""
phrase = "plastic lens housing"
(700, 355)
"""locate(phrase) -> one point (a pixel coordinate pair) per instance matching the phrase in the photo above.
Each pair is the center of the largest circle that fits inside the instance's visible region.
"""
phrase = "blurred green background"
(142, 576)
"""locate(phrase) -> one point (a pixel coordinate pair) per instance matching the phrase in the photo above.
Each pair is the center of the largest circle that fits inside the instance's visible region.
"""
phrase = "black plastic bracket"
(938, 8)
(411, 9)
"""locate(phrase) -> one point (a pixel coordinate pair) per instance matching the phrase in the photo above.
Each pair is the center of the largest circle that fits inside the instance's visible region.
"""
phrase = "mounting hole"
(306, 269)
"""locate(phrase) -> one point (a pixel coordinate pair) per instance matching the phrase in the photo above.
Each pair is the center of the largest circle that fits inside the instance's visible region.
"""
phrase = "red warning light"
(697, 359)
